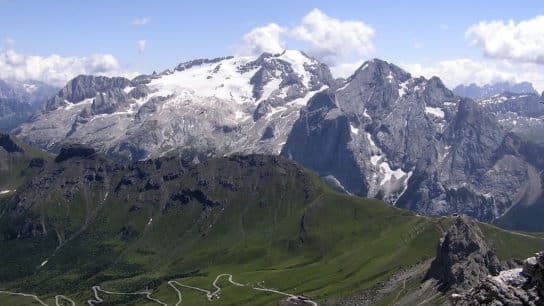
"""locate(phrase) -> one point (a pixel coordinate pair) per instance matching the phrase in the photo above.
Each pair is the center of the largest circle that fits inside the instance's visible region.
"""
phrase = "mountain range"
(380, 133)
(476, 92)
(82, 228)
(19, 100)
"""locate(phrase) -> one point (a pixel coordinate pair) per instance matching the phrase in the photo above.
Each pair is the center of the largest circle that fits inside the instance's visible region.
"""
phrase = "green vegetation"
(262, 219)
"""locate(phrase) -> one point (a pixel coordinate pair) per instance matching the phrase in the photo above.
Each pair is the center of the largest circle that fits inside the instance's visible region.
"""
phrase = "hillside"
(86, 221)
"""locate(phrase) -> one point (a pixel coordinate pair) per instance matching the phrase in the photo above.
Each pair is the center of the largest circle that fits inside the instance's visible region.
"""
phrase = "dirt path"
(175, 285)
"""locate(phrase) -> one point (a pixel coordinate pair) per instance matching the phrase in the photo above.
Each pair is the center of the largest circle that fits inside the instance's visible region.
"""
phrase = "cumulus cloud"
(345, 70)
(55, 69)
(466, 71)
(267, 38)
(331, 38)
(141, 44)
(327, 38)
(141, 21)
(522, 41)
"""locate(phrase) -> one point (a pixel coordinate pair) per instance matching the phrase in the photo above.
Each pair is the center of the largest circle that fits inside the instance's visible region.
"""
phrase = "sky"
(459, 41)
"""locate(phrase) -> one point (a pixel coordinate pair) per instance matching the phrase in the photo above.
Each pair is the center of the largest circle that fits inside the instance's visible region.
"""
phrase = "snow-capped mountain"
(413, 143)
(522, 114)
(224, 105)
(476, 92)
(18, 100)
(381, 133)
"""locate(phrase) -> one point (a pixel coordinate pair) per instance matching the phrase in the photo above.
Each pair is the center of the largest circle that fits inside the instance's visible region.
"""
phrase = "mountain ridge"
(380, 133)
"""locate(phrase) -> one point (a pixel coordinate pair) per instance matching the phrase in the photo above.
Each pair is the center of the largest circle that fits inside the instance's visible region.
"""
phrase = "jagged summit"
(222, 105)
(381, 133)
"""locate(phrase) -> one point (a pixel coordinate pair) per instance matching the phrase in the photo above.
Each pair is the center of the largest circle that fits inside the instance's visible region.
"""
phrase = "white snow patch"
(390, 77)
(150, 221)
(343, 87)
(269, 88)
(375, 159)
(365, 114)
(353, 129)
(275, 110)
(434, 111)
(30, 88)
(508, 276)
(390, 174)
(6, 191)
(297, 61)
(225, 83)
(372, 143)
(44, 263)
(403, 89)
(70, 105)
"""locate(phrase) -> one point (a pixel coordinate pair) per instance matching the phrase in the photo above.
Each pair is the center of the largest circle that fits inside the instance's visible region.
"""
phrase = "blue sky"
(410, 33)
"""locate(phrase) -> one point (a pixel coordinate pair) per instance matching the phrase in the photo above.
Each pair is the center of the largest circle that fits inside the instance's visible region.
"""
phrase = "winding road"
(175, 285)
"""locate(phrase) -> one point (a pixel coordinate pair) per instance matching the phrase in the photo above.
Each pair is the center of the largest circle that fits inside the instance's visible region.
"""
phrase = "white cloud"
(141, 44)
(141, 21)
(523, 41)
(55, 69)
(466, 71)
(444, 27)
(345, 70)
(263, 39)
(327, 38)
(332, 38)
(9, 42)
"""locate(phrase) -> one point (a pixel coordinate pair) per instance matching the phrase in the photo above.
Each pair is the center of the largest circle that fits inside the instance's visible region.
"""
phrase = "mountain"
(476, 92)
(239, 225)
(381, 133)
(222, 106)
(18, 100)
(522, 114)
(412, 142)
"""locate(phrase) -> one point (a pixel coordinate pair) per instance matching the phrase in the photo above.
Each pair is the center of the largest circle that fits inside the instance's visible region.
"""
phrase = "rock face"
(19, 100)
(411, 142)
(523, 114)
(522, 286)
(381, 133)
(463, 258)
(8, 144)
(222, 106)
(476, 92)
(74, 150)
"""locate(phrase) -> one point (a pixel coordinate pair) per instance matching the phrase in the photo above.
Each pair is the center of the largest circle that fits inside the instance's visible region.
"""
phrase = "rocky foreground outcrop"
(521, 286)
(463, 257)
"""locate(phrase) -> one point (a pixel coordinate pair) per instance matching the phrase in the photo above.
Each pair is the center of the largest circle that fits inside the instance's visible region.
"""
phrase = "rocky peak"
(188, 65)
(520, 286)
(377, 72)
(84, 87)
(69, 151)
(463, 257)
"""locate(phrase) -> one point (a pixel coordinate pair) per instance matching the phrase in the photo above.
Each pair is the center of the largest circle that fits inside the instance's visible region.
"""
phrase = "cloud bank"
(55, 69)
(327, 38)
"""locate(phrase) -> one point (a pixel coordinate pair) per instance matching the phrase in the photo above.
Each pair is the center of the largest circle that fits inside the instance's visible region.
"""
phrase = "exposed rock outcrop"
(74, 150)
(9, 145)
(463, 257)
(521, 286)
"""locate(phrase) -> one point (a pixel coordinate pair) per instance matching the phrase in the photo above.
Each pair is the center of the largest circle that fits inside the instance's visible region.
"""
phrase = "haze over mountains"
(19, 100)
(476, 92)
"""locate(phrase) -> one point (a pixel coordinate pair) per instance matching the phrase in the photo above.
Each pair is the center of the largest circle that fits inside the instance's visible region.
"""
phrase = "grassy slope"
(322, 245)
